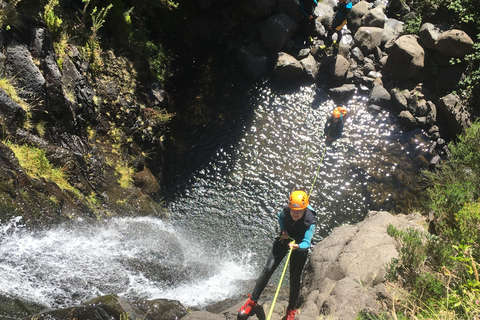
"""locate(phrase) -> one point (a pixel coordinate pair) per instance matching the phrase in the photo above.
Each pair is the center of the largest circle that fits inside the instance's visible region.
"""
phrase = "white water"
(133, 257)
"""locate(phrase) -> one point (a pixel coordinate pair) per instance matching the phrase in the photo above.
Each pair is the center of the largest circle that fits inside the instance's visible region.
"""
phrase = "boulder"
(253, 61)
(398, 7)
(449, 77)
(432, 113)
(258, 9)
(375, 17)
(339, 67)
(310, 66)
(11, 111)
(429, 34)
(277, 31)
(379, 95)
(146, 181)
(287, 67)
(357, 55)
(455, 112)
(367, 38)
(400, 99)
(289, 7)
(348, 267)
(392, 30)
(356, 14)
(343, 93)
(81, 312)
(406, 58)
(324, 13)
(19, 65)
(454, 43)
(406, 119)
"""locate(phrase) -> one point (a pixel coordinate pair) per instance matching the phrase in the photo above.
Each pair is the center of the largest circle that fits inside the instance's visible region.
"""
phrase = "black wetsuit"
(301, 230)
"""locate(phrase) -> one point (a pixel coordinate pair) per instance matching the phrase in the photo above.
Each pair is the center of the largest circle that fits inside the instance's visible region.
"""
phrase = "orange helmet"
(336, 113)
(298, 200)
(342, 110)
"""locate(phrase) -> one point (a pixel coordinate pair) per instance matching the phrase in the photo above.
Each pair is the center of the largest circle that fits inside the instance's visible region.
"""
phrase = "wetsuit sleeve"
(281, 220)
(307, 238)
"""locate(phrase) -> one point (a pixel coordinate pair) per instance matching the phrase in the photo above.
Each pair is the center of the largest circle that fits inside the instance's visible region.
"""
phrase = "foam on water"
(132, 257)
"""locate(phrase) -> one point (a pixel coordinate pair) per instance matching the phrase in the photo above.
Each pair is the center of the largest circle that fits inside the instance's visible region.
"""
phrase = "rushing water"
(230, 170)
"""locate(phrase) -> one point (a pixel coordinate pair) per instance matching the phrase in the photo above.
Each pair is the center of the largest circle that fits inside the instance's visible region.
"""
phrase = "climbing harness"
(280, 282)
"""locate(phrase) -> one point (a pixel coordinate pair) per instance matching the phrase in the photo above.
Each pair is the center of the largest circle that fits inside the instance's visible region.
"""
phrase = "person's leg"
(297, 262)
(329, 40)
(279, 250)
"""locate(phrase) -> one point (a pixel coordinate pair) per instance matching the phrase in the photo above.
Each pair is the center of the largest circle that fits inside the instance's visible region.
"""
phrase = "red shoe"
(247, 308)
(291, 314)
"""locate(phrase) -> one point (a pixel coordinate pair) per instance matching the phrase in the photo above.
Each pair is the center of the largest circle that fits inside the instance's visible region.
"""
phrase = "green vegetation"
(461, 14)
(9, 88)
(441, 270)
(8, 14)
(36, 164)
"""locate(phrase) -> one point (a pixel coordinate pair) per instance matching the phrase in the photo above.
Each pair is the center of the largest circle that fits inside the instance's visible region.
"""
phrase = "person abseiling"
(339, 20)
(297, 222)
(334, 125)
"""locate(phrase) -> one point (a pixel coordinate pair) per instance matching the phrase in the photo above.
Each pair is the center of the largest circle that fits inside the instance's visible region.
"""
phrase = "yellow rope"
(318, 170)
(280, 282)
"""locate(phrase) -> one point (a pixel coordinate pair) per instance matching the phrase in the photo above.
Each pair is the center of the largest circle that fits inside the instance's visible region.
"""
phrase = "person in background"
(297, 222)
(307, 8)
(339, 20)
(334, 126)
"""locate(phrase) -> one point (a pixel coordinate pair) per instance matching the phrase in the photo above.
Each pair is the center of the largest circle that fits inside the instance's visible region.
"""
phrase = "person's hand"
(293, 246)
(310, 17)
(285, 234)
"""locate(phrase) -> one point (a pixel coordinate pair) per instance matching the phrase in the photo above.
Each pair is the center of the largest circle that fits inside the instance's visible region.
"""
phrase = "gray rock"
(391, 30)
(311, 66)
(406, 119)
(277, 31)
(406, 58)
(367, 68)
(422, 108)
(253, 62)
(379, 96)
(432, 114)
(339, 67)
(289, 7)
(367, 38)
(287, 67)
(11, 111)
(357, 54)
(400, 99)
(374, 18)
(456, 115)
(343, 93)
(454, 43)
(429, 34)
(324, 13)
(348, 267)
(19, 65)
(356, 14)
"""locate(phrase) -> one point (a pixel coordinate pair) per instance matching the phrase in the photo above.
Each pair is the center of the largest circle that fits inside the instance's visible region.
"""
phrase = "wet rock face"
(113, 307)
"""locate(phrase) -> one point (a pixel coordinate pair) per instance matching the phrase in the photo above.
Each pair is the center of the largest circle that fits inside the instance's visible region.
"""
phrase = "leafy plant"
(412, 26)
(51, 19)
(8, 14)
(36, 164)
